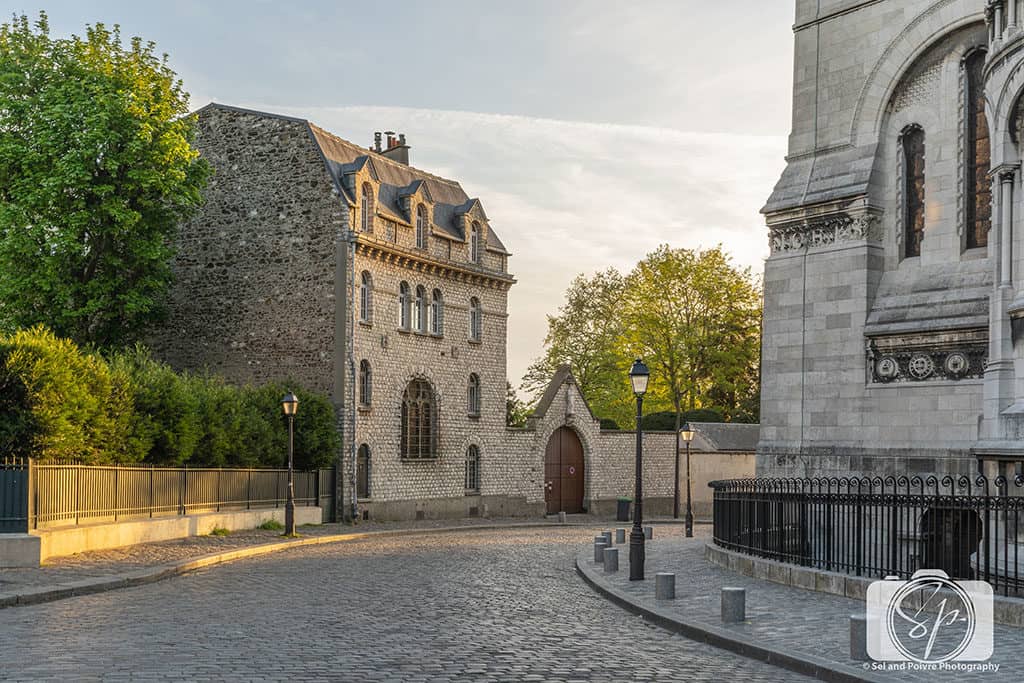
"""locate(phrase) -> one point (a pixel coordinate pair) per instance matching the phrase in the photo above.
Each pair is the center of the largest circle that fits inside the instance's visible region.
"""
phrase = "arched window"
(365, 384)
(474, 243)
(363, 472)
(419, 310)
(419, 421)
(977, 157)
(366, 208)
(476, 320)
(421, 226)
(473, 395)
(472, 470)
(913, 190)
(403, 305)
(366, 297)
(437, 313)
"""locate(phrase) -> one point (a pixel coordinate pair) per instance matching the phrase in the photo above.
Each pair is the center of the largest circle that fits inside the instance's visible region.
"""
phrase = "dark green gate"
(14, 493)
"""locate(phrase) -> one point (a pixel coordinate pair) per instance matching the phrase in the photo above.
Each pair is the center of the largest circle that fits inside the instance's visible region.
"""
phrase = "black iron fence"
(969, 527)
(35, 495)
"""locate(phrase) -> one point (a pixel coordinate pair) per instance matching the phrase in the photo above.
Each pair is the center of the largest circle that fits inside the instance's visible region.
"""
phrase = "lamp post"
(290, 405)
(638, 377)
(686, 434)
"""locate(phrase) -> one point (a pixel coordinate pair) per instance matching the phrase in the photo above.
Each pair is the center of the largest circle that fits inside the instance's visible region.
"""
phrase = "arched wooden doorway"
(563, 472)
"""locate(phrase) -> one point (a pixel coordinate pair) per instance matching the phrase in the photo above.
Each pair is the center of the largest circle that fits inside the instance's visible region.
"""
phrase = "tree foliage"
(516, 410)
(60, 402)
(691, 314)
(96, 172)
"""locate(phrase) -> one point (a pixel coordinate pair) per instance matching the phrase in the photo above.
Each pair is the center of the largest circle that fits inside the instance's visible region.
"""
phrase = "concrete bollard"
(734, 605)
(599, 546)
(561, 518)
(607, 538)
(664, 586)
(620, 536)
(648, 532)
(611, 560)
(859, 638)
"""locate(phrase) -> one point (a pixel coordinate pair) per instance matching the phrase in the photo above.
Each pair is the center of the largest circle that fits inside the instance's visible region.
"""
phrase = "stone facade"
(296, 268)
(881, 356)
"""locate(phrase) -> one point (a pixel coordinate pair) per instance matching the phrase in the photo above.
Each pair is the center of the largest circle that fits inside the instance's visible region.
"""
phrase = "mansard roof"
(396, 179)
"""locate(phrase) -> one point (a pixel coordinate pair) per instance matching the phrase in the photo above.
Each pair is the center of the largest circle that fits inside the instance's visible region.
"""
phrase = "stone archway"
(563, 472)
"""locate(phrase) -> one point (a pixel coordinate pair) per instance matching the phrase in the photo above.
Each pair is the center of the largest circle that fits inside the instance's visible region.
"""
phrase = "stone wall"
(253, 297)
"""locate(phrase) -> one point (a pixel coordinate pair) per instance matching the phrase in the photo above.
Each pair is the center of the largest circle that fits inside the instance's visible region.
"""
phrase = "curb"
(140, 577)
(808, 665)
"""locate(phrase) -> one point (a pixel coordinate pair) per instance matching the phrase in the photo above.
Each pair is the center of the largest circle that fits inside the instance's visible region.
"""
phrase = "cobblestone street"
(477, 606)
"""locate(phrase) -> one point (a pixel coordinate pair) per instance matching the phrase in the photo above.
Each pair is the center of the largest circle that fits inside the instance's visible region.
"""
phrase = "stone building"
(352, 272)
(894, 309)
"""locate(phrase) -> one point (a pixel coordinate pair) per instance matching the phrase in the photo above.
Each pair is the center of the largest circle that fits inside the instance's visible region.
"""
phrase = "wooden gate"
(563, 472)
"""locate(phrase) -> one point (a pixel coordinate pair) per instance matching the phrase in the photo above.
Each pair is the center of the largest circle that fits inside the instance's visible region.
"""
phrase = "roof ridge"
(377, 155)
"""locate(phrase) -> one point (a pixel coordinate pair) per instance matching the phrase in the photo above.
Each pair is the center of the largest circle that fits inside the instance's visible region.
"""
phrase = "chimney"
(376, 142)
(397, 149)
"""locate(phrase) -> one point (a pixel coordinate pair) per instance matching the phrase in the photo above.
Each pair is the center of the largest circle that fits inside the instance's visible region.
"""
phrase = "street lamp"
(638, 377)
(686, 434)
(290, 405)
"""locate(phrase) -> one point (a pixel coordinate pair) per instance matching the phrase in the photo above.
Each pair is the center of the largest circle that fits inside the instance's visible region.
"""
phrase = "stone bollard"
(664, 586)
(620, 536)
(859, 638)
(648, 532)
(599, 546)
(611, 560)
(607, 538)
(561, 518)
(734, 605)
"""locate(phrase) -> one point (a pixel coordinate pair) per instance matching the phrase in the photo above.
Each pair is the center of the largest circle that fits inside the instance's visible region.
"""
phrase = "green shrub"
(58, 402)
(316, 434)
(271, 525)
(166, 408)
(219, 531)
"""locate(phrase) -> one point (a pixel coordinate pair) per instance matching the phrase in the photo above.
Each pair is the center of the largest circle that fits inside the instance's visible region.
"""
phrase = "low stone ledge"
(1007, 611)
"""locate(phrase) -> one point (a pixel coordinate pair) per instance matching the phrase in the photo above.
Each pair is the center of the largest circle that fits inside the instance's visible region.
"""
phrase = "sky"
(591, 130)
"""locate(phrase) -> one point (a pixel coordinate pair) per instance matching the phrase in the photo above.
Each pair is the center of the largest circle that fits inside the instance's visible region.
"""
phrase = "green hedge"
(61, 402)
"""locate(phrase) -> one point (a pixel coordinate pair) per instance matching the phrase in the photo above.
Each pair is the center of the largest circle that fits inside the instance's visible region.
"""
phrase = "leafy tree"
(694, 318)
(516, 410)
(96, 172)
(586, 335)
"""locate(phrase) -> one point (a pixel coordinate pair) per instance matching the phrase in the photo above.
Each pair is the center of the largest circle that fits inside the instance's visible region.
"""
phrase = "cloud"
(569, 197)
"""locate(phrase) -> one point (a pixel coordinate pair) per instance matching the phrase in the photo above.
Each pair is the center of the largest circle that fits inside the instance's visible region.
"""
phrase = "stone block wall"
(253, 297)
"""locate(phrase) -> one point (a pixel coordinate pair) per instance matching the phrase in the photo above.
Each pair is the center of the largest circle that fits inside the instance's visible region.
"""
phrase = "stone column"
(1006, 179)
(1012, 21)
(999, 21)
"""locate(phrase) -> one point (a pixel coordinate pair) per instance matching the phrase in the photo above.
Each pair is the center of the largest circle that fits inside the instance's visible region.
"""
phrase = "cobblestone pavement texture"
(791, 619)
(99, 563)
(487, 605)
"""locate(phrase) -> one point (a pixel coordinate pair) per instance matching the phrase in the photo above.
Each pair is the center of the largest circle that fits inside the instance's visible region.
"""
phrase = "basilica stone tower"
(894, 299)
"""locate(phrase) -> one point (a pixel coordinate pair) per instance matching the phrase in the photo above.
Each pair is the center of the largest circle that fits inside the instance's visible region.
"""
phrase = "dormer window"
(421, 227)
(366, 208)
(474, 243)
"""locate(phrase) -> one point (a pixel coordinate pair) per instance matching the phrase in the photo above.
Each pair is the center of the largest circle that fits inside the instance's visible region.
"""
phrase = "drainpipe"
(351, 333)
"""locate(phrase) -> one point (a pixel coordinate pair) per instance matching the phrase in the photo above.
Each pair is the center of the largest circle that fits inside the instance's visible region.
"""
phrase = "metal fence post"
(151, 469)
(117, 498)
(248, 489)
(218, 489)
(33, 497)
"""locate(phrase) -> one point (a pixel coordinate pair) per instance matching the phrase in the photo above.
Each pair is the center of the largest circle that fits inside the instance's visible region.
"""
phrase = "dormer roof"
(394, 178)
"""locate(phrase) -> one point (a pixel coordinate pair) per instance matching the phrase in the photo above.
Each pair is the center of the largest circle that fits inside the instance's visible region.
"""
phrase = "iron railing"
(969, 527)
(35, 495)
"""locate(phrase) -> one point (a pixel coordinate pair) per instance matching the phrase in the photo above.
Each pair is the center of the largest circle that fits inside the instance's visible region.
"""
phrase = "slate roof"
(729, 436)
(396, 179)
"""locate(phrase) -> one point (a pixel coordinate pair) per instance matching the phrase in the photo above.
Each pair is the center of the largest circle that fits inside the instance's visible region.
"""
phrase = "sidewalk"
(787, 626)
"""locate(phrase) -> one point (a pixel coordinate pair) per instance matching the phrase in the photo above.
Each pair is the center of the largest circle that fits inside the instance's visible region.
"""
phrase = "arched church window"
(421, 227)
(403, 305)
(366, 297)
(365, 384)
(419, 421)
(363, 472)
(913, 190)
(476, 320)
(366, 208)
(437, 313)
(474, 243)
(419, 311)
(472, 474)
(977, 157)
(473, 395)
